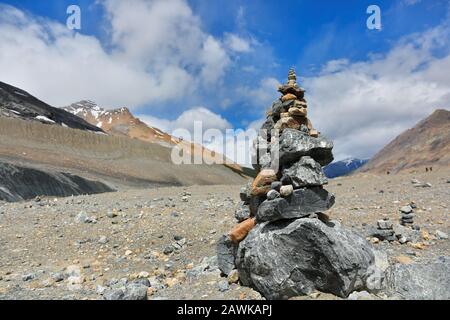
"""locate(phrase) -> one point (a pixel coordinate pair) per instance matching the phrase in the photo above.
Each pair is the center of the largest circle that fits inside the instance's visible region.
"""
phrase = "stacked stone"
(385, 230)
(407, 215)
(290, 178)
(284, 244)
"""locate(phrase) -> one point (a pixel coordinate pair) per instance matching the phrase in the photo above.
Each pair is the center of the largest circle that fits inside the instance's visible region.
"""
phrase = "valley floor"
(79, 247)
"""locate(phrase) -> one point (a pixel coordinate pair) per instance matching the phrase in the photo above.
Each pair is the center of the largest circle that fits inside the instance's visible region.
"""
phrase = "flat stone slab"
(295, 144)
(305, 173)
(301, 203)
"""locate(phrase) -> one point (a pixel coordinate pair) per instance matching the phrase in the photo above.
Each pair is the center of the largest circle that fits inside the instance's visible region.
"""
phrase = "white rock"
(441, 235)
(286, 191)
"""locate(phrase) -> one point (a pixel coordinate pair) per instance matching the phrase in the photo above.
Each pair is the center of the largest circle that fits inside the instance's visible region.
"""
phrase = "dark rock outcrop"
(21, 183)
(16, 103)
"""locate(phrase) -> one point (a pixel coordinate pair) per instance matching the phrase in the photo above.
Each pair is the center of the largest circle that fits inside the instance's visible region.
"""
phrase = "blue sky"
(223, 58)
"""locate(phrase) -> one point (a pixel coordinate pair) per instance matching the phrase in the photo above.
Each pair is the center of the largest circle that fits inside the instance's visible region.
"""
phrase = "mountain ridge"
(121, 122)
(17, 103)
(427, 144)
(343, 167)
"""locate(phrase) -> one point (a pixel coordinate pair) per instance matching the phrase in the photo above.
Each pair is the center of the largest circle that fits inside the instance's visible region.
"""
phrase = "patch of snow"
(21, 93)
(98, 132)
(14, 111)
(44, 118)
(348, 161)
(6, 191)
(64, 125)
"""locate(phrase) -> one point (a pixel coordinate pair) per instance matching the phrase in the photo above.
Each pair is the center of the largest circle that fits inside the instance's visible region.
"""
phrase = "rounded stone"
(286, 191)
(273, 194)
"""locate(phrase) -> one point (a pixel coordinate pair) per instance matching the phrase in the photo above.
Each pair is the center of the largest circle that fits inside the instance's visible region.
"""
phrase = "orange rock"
(172, 282)
(290, 123)
(425, 235)
(325, 218)
(150, 292)
(288, 97)
(241, 230)
(314, 133)
(298, 112)
(418, 245)
(261, 184)
(285, 123)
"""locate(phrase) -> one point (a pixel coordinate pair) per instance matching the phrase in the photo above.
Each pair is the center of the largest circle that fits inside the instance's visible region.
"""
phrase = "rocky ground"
(160, 243)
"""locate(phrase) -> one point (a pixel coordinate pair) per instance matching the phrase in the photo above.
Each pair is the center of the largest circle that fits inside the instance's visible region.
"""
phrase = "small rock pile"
(284, 244)
(417, 184)
(385, 230)
(407, 215)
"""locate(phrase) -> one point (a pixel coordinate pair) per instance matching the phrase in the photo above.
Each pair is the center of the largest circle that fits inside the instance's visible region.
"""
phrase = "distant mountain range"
(343, 167)
(121, 122)
(425, 145)
(64, 153)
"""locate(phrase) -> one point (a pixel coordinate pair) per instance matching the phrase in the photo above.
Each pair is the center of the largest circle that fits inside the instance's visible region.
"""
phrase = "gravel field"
(160, 243)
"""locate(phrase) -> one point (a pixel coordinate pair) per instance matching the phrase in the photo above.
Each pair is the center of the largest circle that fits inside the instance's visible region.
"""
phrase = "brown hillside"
(120, 160)
(425, 145)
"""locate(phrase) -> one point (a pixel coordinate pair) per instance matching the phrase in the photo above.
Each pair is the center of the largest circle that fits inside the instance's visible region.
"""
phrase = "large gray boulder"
(301, 203)
(289, 258)
(428, 281)
(295, 144)
(305, 173)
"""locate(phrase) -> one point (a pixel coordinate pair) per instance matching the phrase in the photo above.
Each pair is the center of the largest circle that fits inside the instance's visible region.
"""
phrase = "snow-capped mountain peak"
(343, 167)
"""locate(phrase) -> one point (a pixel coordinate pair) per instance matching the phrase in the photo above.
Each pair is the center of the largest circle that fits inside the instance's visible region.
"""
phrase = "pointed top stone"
(291, 86)
(292, 77)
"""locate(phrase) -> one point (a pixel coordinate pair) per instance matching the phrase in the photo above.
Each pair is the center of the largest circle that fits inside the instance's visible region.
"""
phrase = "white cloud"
(234, 144)
(209, 120)
(364, 105)
(263, 94)
(158, 53)
(237, 43)
(335, 66)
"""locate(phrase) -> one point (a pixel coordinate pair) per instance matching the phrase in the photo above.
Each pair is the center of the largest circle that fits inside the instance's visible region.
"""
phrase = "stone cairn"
(385, 230)
(407, 215)
(284, 244)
